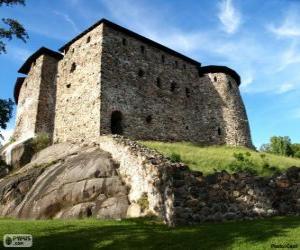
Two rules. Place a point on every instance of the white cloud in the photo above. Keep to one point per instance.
(288, 28)
(285, 87)
(229, 16)
(289, 56)
(68, 20)
(6, 134)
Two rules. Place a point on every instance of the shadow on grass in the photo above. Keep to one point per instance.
(150, 234)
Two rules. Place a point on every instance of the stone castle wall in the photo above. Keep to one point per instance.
(37, 99)
(78, 90)
(162, 97)
(158, 95)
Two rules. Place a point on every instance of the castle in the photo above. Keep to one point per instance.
(110, 80)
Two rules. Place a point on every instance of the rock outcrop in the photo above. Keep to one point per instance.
(65, 181)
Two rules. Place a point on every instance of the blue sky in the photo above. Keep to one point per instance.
(259, 39)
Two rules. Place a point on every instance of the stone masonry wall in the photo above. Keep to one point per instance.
(181, 196)
(162, 97)
(78, 90)
(47, 97)
(236, 128)
(28, 102)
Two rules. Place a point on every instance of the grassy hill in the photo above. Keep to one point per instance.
(153, 234)
(209, 159)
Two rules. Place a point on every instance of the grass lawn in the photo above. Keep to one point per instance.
(209, 159)
(152, 234)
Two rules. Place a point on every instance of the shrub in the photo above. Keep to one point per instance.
(175, 157)
(40, 142)
(242, 163)
(143, 202)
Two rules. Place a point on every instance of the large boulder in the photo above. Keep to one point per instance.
(65, 181)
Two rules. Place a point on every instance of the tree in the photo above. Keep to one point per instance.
(6, 108)
(279, 145)
(296, 149)
(12, 27)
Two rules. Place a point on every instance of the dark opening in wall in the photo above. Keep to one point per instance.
(158, 82)
(88, 39)
(73, 50)
(124, 41)
(173, 86)
(116, 123)
(187, 127)
(184, 66)
(149, 119)
(187, 92)
(68, 85)
(141, 73)
(142, 49)
(219, 131)
(163, 59)
(176, 64)
(73, 67)
(215, 79)
(229, 84)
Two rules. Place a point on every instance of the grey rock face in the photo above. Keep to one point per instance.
(79, 184)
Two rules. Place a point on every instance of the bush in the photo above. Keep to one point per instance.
(143, 202)
(175, 158)
(242, 163)
(40, 142)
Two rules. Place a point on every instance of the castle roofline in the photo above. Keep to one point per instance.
(17, 88)
(133, 34)
(42, 51)
(221, 69)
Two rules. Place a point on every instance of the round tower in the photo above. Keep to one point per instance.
(226, 82)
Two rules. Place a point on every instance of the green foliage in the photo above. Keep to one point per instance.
(12, 28)
(145, 233)
(143, 202)
(40, 142)
(212, 158)
(242, 163)
(6, 109)
(174, 157)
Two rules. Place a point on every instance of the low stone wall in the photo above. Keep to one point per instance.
(182, 196)
(224, 196)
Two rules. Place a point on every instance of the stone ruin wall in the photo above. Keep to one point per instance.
(181, 196)
(198, 109)
(78, 90)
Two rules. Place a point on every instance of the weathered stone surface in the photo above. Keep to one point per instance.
(157, 94)
(79, 182)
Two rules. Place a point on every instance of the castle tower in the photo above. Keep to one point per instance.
(35, 95)
(235, 130)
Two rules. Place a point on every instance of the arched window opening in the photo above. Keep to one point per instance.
(162, 58)
(142, 49)
(219, 131)
(116, 123)
(173, 86)
(176, 64)
(73, 67)
(149, 119)
(187, 92)
(215, 79)
(88, 39)
(158, 82)
(124, 41)
(141, 73)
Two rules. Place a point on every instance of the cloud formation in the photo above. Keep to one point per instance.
(229, 16)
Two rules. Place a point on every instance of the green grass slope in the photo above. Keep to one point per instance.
(209, 159)
(151, 234)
